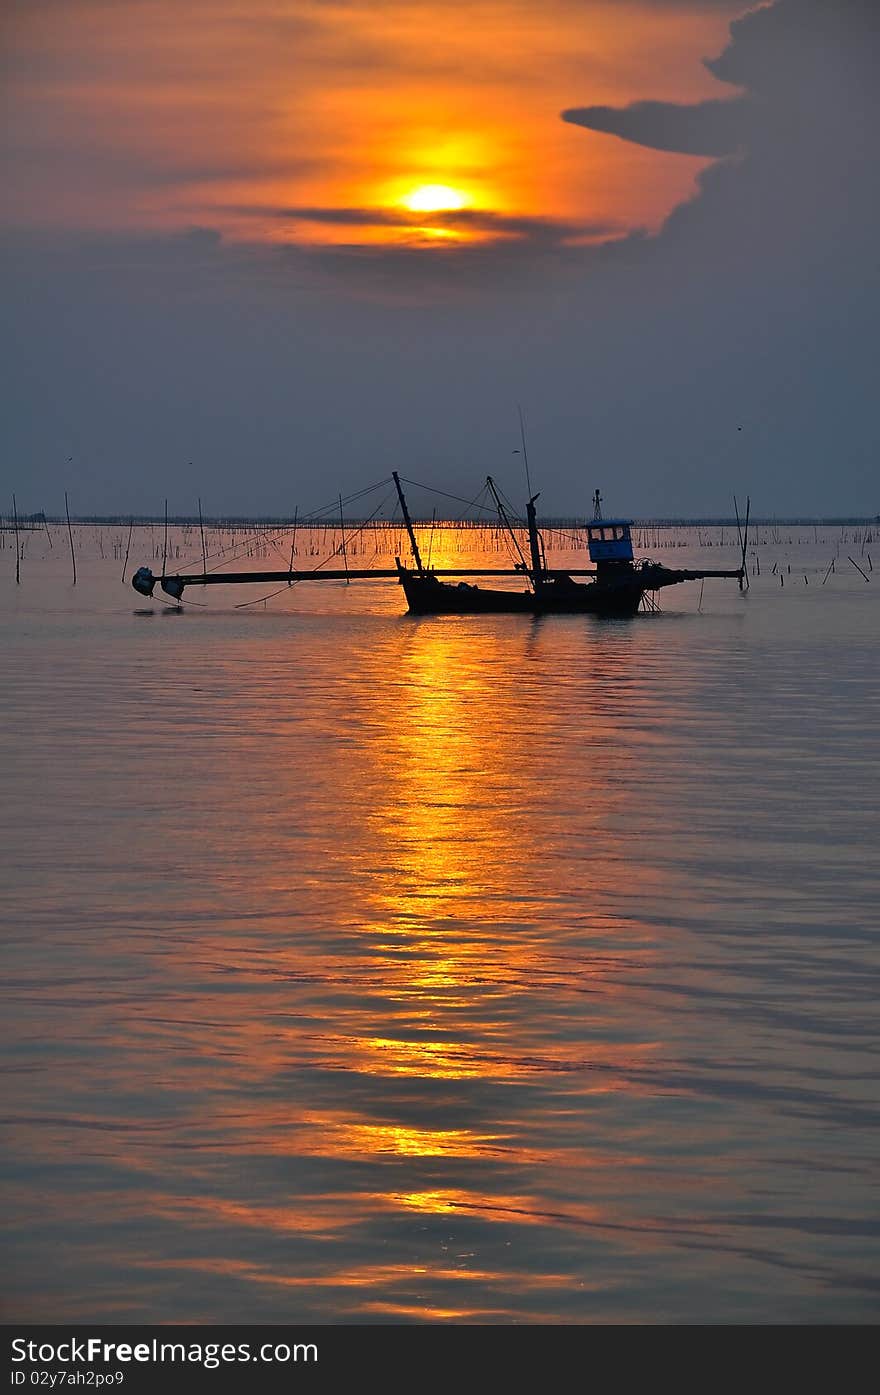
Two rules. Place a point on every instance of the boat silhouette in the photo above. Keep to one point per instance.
(616, 585)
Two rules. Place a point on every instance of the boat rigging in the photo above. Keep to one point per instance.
(618, 584)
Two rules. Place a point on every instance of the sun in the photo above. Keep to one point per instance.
(434, 198)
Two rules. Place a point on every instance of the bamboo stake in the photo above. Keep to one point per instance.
(857, 567)
(293, 541)
(17, 553)
(70, 536)
(342, 529)
(127, 546)
(202, 531)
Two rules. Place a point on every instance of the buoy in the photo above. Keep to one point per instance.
(143, 581)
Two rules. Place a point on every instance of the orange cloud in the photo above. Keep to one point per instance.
(219, 112)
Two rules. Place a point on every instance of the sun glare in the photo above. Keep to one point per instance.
(434, 198)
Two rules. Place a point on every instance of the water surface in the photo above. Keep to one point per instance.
(366, 968)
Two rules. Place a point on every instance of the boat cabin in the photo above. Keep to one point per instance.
(609, 541)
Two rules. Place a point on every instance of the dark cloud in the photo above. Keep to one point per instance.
(795, 200)
(709, 128)
(776, 48)
(805, 65)
(475, 220)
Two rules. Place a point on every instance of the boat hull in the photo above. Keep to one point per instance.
(616, 593)
(426, 595)
(594, 598)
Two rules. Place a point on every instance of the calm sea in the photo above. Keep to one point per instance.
(365, 968)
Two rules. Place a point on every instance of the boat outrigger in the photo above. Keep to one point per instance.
(618, 586)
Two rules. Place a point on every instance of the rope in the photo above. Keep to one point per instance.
(469, 503)
(221, 554)
(243, 605)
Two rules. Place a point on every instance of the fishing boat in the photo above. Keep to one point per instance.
(618, 584)
(618, 587)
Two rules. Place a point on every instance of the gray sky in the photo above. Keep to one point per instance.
(208, 297)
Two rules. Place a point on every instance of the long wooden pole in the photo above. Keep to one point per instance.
(857, 567)
(17, 552)
(70, 536)
(745, 573)
(293, 539)
(342, 531)
(431, 537)
(739, 531)
(202, 531)
(127, 546)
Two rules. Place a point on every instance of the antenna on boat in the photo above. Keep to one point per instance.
(525, 453)
(597, 506)
(408, 521)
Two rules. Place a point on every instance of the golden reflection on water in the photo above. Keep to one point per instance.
(452, 906)
(403, 969)
(451, 938)
(450, 768)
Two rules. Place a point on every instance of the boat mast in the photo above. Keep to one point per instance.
(534, 545)
(408, 521)
(502, 511)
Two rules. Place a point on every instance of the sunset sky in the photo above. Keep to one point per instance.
(253, 245)
(311, 121)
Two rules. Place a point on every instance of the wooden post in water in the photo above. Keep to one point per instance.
(342, 531)
(738, 524)
(127, 546)
(70, 536)
(743, 539)
(293, 542)
(17, 552)
(165, 540)
(202, 531)
(857, 567)
(745, 544)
